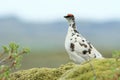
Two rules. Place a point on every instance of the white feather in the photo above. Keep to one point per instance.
(77, 55)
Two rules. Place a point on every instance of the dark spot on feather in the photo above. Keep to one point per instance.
(84, 52)
(83, 45)
(83, 40)
(76, 31)
(72, 46)
(73, 25)
(89, 45)
(80, 44)
(77, 35)
(89, 51)
(94, 56)
(75, 40)
(73, 19)
(73, 34)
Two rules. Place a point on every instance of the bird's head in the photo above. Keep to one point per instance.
(69, 17)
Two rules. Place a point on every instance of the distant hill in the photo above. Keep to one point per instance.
(104, 35)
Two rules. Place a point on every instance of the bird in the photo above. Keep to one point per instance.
(78, 48)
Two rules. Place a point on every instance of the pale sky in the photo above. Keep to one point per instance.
(42, 10)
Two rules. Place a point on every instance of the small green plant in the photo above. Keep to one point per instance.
(115, 68)
(116, 55)
(10, 59)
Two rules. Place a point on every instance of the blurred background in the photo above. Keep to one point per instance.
(39, 25)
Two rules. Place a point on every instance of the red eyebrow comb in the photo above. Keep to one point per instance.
(70, 15)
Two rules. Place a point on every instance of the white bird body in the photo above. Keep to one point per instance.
(78, 48)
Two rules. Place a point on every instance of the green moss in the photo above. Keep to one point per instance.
(104, 69)
(42, 73)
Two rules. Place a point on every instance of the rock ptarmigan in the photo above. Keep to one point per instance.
(77, 47)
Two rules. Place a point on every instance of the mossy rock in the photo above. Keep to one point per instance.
(102, 69)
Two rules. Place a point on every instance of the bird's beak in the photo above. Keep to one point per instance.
(65, 16)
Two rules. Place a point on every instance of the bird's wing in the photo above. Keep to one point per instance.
(83, 47)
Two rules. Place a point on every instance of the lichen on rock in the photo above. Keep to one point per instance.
(103, 69)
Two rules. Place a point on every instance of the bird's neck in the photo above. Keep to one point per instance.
(72, 28)
(72, 25)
